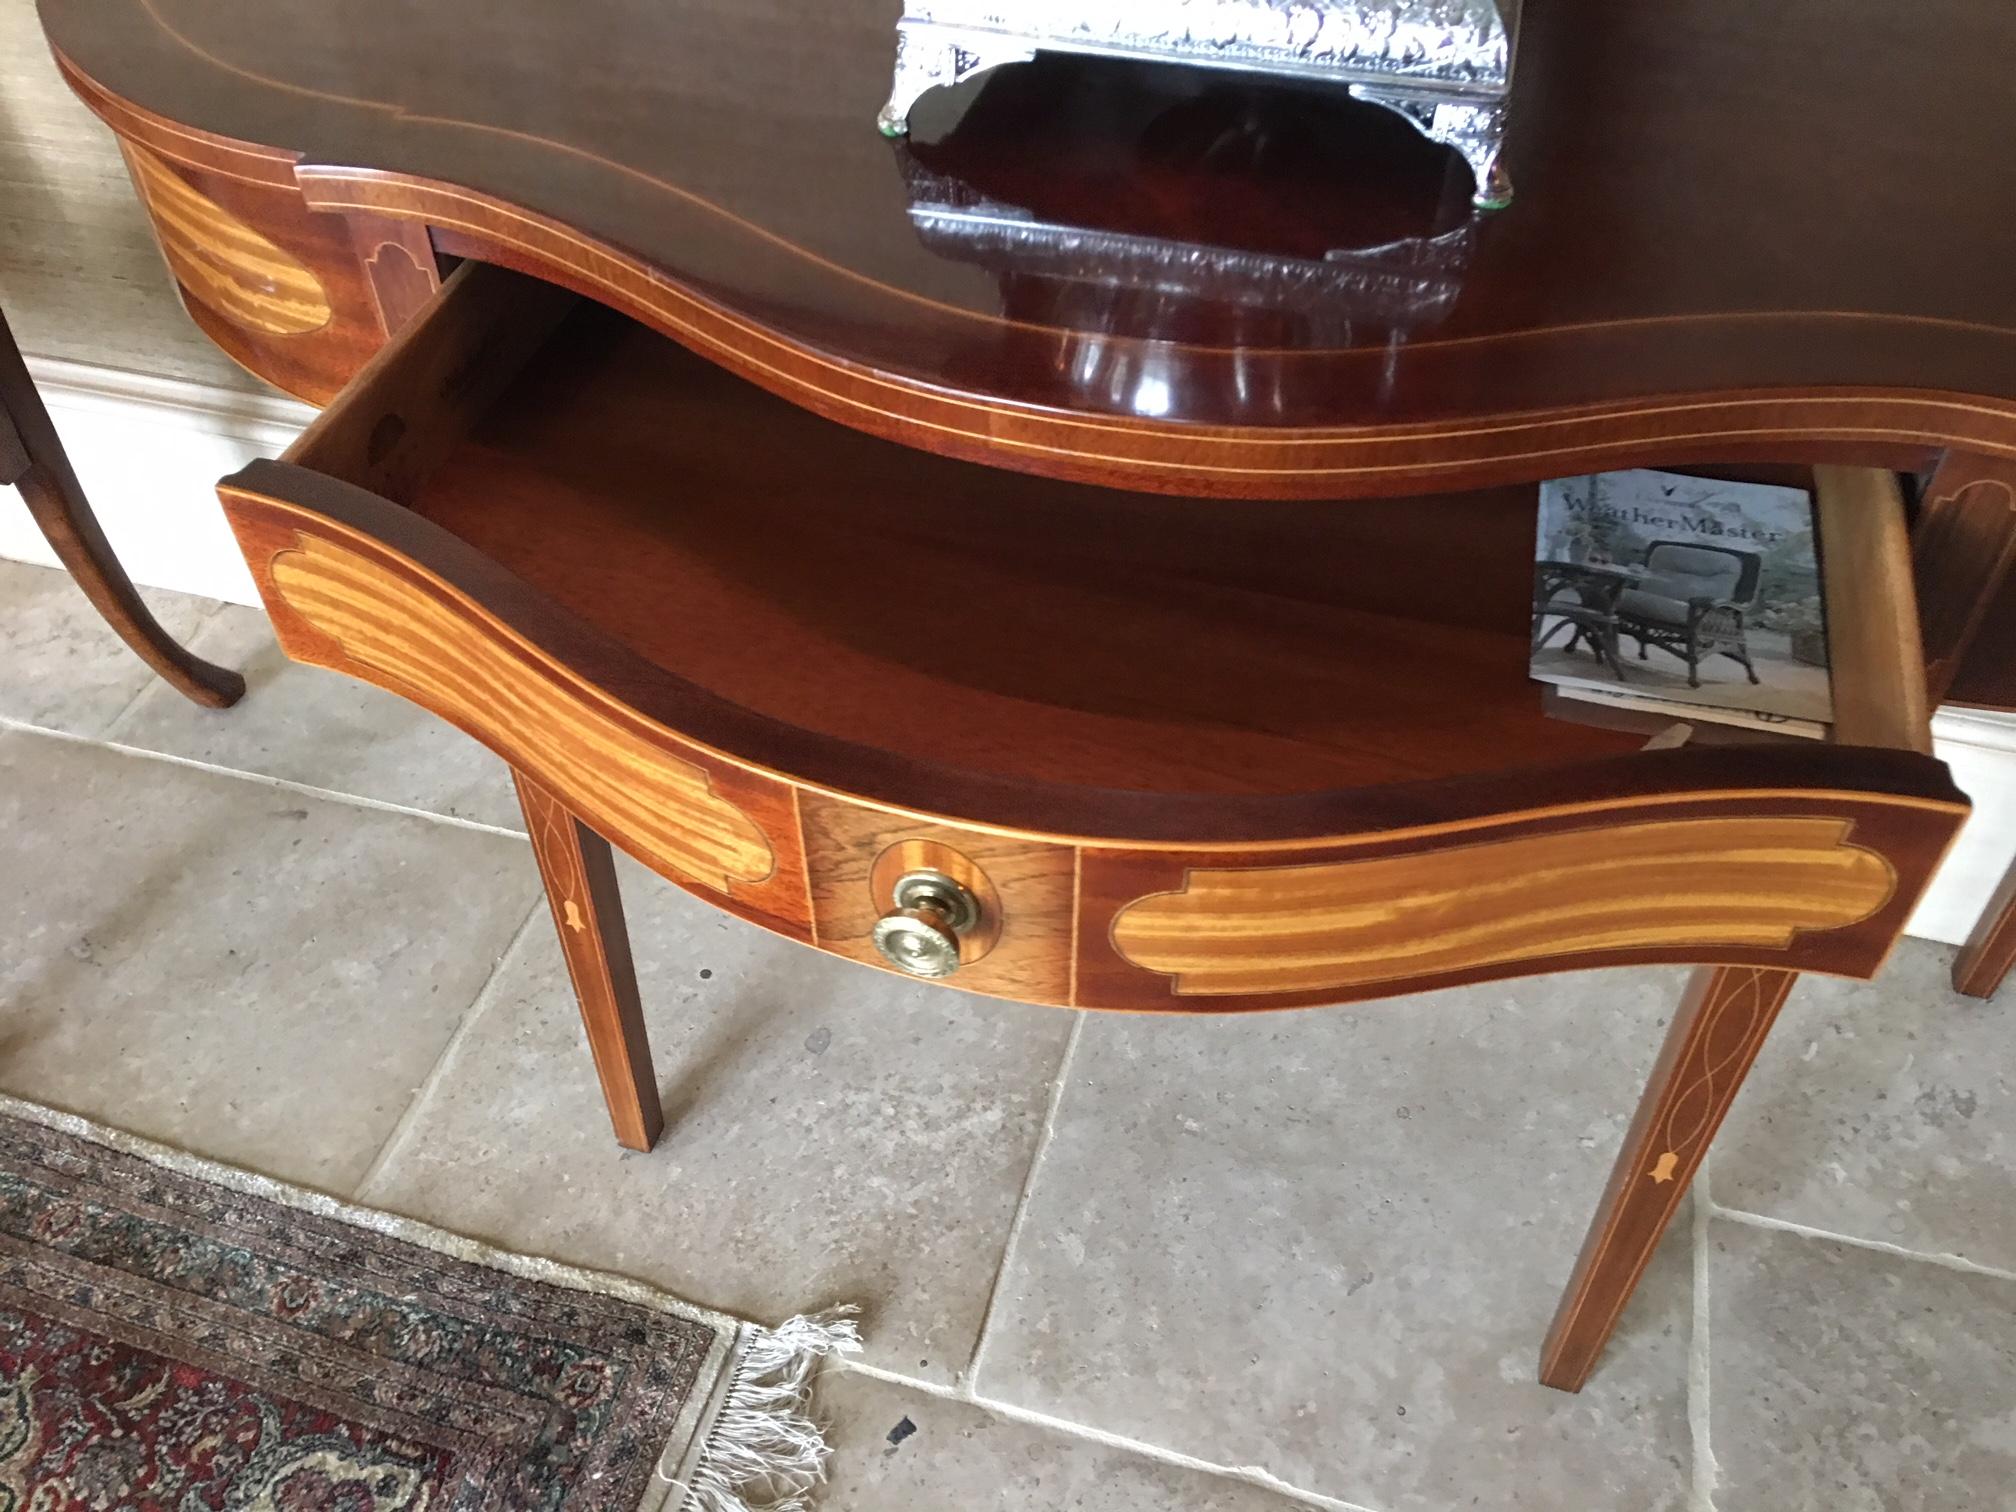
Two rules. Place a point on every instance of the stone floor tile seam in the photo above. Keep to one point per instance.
(1879, 1246)
(964, 1394)
(970, 1376)
(149, 684)
(409, 1118)
(1700, 1353)
(307, 790)
(104, 733)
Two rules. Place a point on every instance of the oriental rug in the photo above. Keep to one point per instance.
(177, 1336)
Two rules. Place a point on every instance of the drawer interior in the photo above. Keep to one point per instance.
(995, 622)
(874, 610)
(770, 655)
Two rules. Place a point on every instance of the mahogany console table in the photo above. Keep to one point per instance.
(1084, 551)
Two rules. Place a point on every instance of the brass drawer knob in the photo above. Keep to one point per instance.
(921, 934)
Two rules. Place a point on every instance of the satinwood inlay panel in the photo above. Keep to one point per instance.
(1733, 881)
(235, 270)
(661, 804)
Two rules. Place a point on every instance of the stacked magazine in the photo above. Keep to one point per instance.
(1683, 597)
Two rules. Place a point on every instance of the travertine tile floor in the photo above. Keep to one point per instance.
(1108, 1264)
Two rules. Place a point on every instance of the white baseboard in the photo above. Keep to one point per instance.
(1981, 750)
(150, 450)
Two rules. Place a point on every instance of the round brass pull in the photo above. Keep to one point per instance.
(921, 934)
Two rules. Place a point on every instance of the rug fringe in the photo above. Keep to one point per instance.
(765, 1453)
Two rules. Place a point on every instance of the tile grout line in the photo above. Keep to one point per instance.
(307, 790)
(970, 1376)
(409, 1117)
(1880, 1246)
(124, 709)
(1700, 1358)
(1246, 1475)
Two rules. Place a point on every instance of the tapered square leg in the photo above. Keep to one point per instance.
(1965, 557)
(1709, 1049)
(1985, 963)
(1963, 552)
(580, 878)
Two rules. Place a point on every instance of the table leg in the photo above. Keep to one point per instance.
(1714, 1038)
(1989, 955)
(1964, 554)
(33, 459)
(580, 878)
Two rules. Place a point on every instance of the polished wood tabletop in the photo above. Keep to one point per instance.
(1738, 226)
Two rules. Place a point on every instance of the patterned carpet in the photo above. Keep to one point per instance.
(178, 1336)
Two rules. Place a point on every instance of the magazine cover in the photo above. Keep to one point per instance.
(1685, 593)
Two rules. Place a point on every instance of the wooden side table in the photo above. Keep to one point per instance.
(1107, 582)
(32, 459)
(694, 641)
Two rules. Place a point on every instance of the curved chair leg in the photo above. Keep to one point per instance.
(40, 468)
(1714, 1038)
(1607, 648)
(67, 521)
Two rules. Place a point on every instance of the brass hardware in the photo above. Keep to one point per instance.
(921, 934)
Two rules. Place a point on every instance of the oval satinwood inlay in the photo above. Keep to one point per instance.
(604, 769)
(223, 262)
(1735, 881)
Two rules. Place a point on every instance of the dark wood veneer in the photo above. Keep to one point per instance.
(1720, 250)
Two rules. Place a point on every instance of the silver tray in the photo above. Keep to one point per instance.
(1445, 65)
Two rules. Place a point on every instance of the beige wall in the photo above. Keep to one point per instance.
(80, 277)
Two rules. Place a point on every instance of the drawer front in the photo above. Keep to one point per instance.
(350, 603)
(1804, 882)
(1805, 878)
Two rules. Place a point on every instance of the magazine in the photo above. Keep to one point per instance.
(1685, 597)
(1667, 708)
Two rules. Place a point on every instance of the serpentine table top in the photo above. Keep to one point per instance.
(1759, 231)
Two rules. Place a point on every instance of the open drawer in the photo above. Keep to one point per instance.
(1179, 753)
